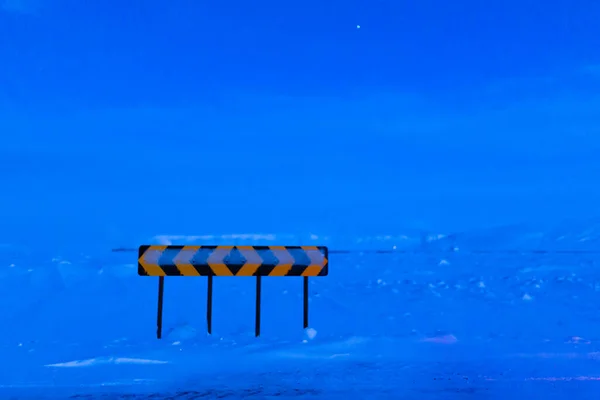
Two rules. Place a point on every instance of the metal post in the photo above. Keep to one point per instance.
(305, 302)
(161, 288)
(257, 321)
(209, 305)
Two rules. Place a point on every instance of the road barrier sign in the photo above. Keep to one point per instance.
(211, 261)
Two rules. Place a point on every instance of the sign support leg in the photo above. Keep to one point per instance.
(257, 320)
(305, 302)
(209, 305)
(161, 288)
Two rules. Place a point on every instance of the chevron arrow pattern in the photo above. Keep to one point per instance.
(154, 260)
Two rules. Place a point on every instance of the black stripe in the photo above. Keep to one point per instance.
(165, 261)
(322, 249)
(171, 270)
(141, 271)
(204, 270)
(141, 250)
(325, 270)
(264, 270)
(234, 268)
(296, 271)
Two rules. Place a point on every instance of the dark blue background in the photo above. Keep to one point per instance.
(267, 116)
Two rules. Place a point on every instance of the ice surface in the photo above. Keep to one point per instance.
(428, 322)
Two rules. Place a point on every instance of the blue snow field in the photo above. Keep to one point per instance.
(459, 137)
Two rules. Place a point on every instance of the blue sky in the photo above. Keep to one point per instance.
(283, 116)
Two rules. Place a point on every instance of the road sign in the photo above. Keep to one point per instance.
(210, 261)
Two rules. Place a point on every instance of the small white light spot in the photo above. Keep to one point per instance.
(357, 26)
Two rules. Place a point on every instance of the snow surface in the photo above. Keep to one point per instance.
(448, 316)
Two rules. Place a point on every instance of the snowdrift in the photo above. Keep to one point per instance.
(87, 318)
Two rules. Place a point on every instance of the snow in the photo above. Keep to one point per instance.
(97, 361)
(411, 323)
(311, 333)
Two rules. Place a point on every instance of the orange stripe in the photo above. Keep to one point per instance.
(313, 270)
